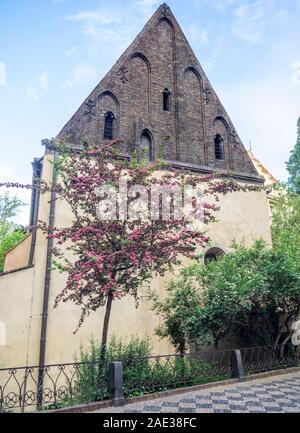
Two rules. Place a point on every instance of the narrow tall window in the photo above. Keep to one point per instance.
(146, 147)
(109, 126)
(166, 100)
(218, 147)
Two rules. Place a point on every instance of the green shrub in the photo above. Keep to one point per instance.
(133, 355)
(142, 373)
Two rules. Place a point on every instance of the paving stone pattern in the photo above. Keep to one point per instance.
(279, 394)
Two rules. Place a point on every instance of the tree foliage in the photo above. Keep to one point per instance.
(8, 207)
(110, 258)
(10, 233)
(286, 226)
(293, 165)
(253, 293)
(182, 297)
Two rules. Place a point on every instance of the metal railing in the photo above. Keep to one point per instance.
(267, 358)
(61, 385)
(52, 385)
(160, 373)
(76, 383)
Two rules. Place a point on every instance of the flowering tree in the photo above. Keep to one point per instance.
(116, 248)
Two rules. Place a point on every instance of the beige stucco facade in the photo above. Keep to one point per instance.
(242, 217)
(17, 257)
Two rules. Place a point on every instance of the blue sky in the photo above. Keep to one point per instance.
(53, 53)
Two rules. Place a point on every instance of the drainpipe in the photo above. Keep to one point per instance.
(35, 199)
(46, 294)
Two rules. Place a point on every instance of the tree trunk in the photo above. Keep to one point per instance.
(103, 346)
(106, 323)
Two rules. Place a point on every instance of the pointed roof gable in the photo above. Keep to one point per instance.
(161, 58)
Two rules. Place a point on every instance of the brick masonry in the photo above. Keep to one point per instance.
(161, 58)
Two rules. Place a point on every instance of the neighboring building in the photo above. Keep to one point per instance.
(270, 180)
(156, 97)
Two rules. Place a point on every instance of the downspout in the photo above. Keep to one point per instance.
(35, 199)
(46, 292)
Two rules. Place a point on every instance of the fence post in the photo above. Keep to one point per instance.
(237, 365)
(115, 383)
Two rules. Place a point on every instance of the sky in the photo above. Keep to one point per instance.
(54, 52)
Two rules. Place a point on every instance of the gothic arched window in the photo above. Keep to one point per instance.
(213, 254)
(146, 146)
(218, 147)
(166, 100)
(109, 126)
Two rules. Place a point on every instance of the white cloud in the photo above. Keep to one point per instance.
(32, 93)
(220, 6)
(44, 81)
(72, 51)
(197, 35)
(95, 27)
(81, 74)
(251, 20)
(215, 53)
(2, 74)
(107, 35)
(148, 6)
(104, 16)
(266, 117)
(35, 92)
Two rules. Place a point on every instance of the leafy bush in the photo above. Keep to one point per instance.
(142, 373)
(134, 356)
(253, 293)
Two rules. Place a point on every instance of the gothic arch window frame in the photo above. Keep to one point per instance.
(167, 20)
(221, 119)
(198, 75)
(108, 93)
(146, 132)
(143, 57)
(109, 129)
(166, 100)
(213, 253)
(199, 98)
(139, 55)
(116, 114)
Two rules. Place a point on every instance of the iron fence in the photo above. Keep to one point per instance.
(52, 386)
(58, 385)
(267, 358)
(160, 373)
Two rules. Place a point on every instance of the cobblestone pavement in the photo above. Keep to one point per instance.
(274, 394)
